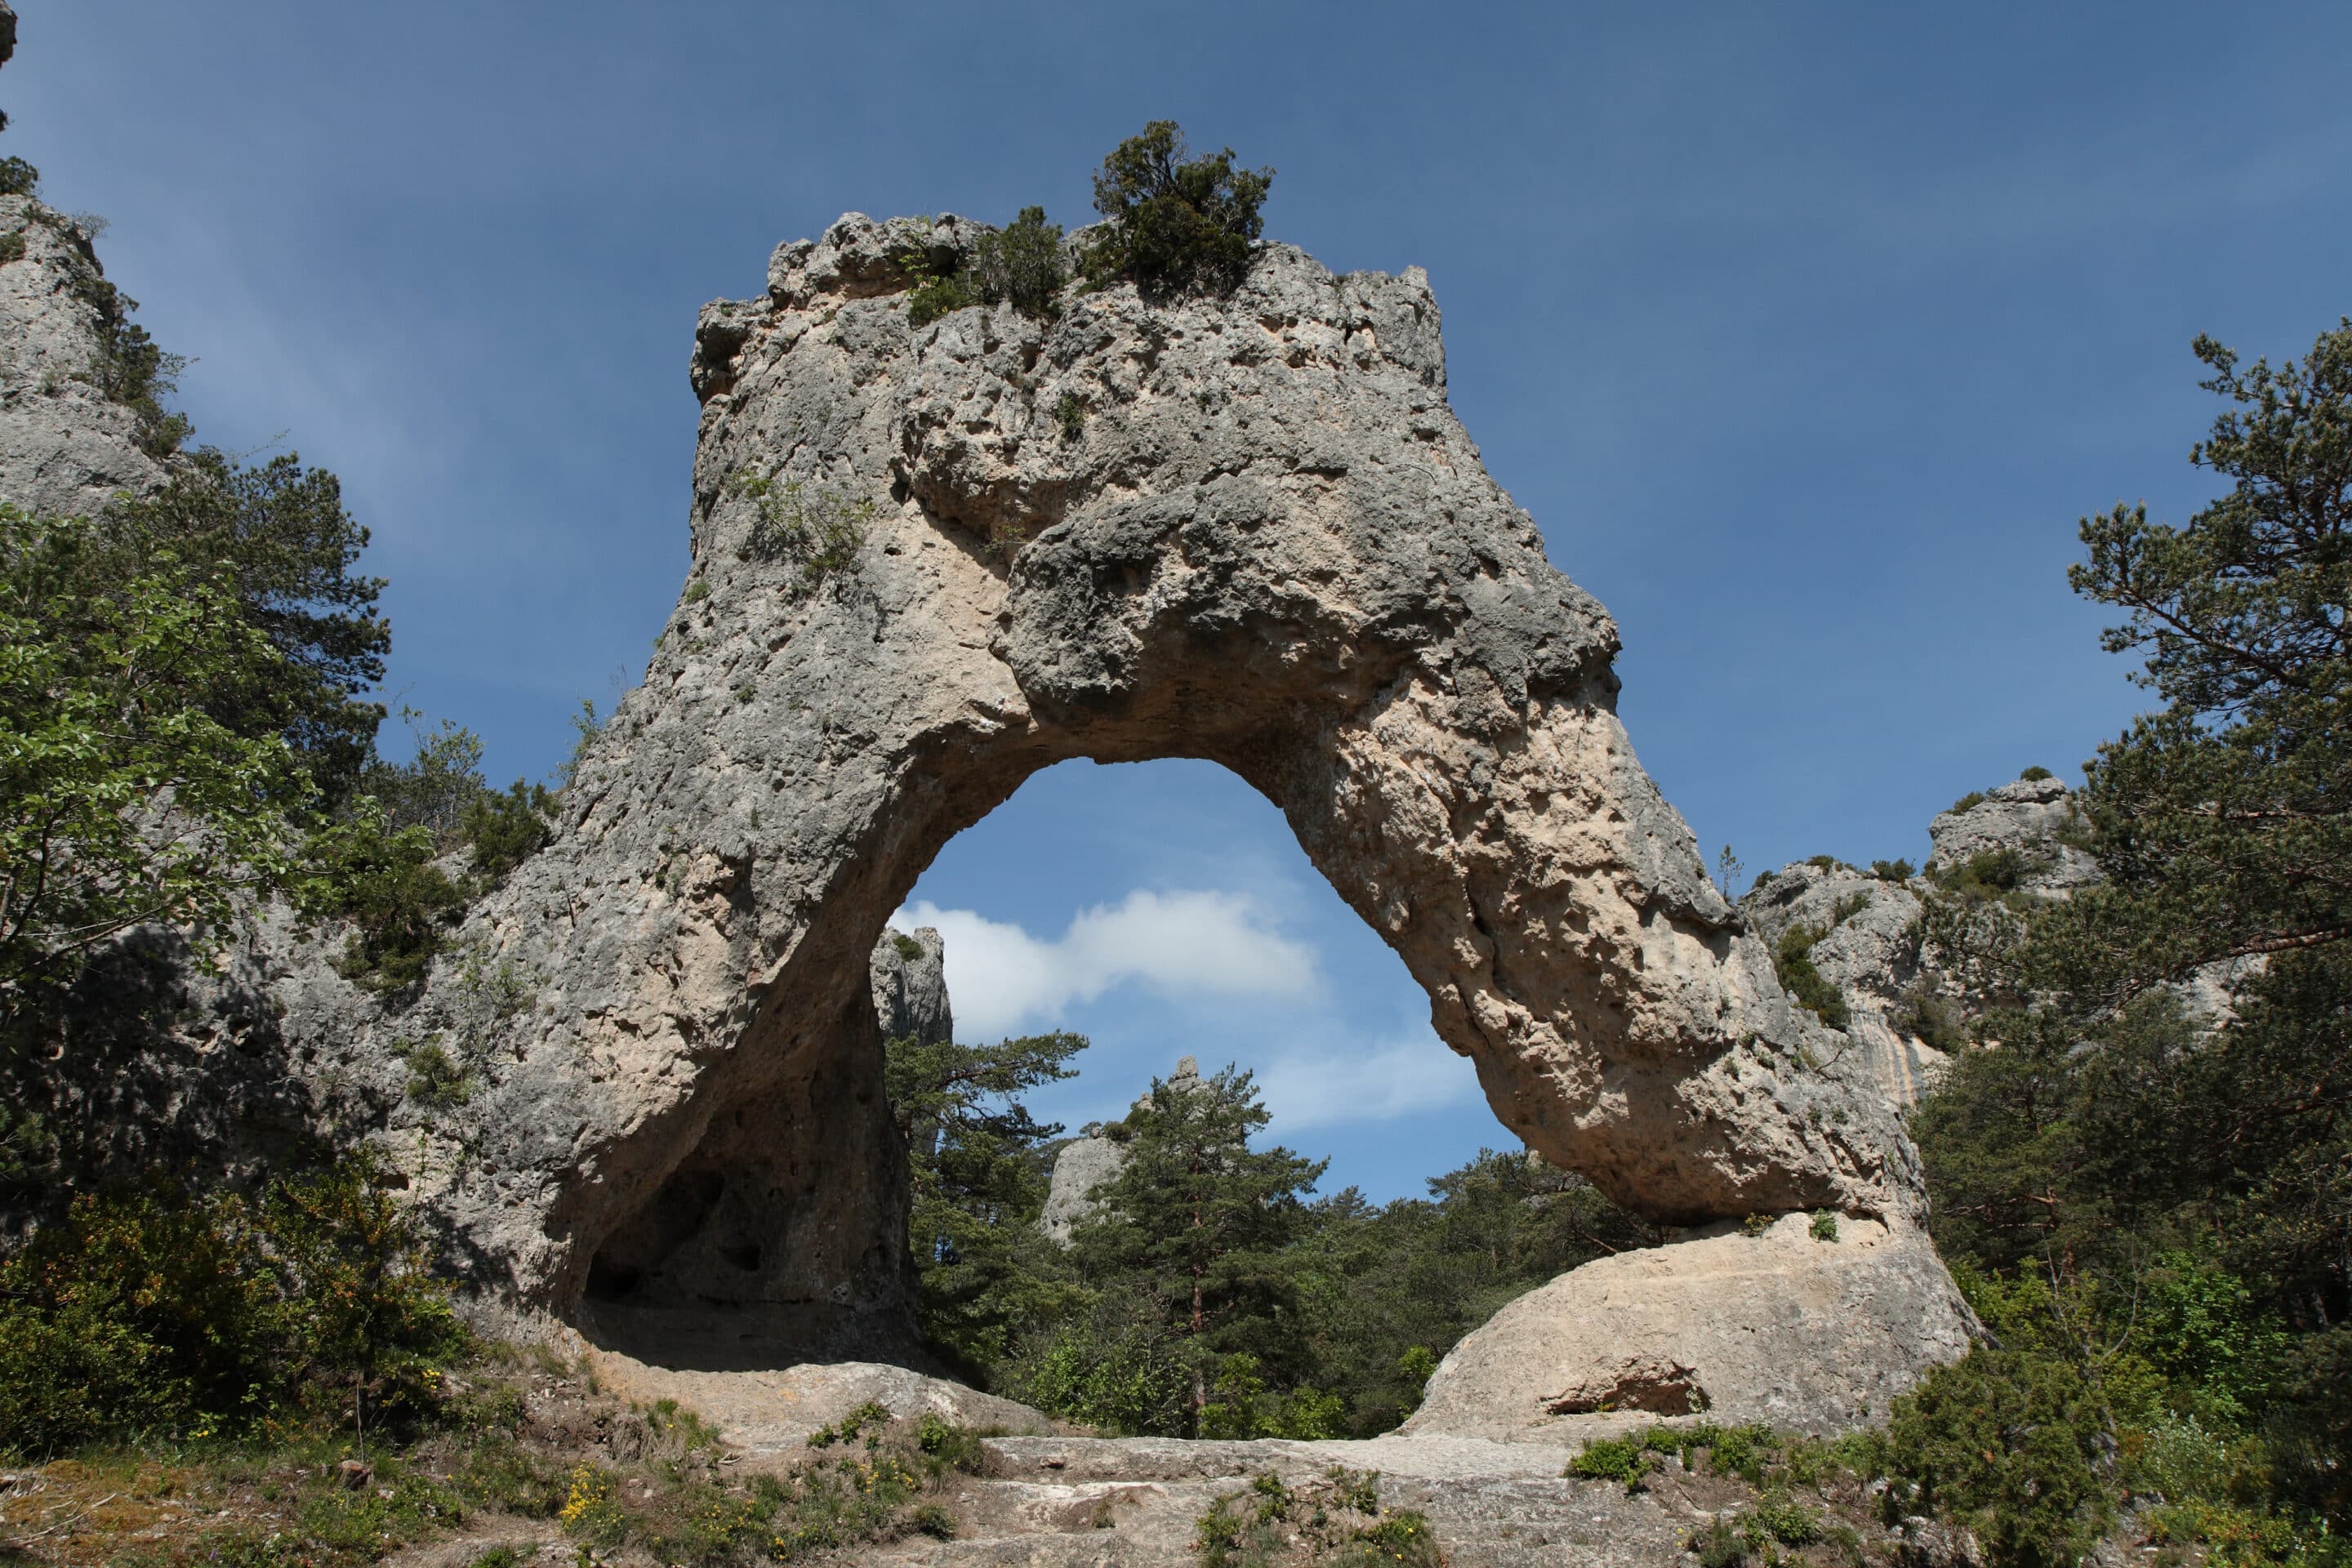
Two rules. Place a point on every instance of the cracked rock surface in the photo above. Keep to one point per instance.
(1246, 528)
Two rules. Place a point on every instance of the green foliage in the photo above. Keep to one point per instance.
(2224, 821)
(12, 246)
(374, 864)
(1176, 224)
(276, 539)
(1338, 1522)
(1624, 1460)
(1020, 265)
(2035, 775)
(156, 1312)
(436, 1077)
(126, 799)
(1417, 1366)
(1892, 870)
(906, 946)
(382, 881)
(821, 530)
(1792, 961)
(2010, 1442)
(1070, 414)
(1199, 1221)
(18, 178)
(1969, 801)
(504, 830)
(1728, 872)
(978, 1185)
(1824, 1227)
(585, 728)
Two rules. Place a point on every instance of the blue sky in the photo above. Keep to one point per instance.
(1805, 332)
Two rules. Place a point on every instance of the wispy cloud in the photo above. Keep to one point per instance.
(1000, 978)
(1379, 1082)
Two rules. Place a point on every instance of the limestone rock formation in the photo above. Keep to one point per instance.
(1807, 1334)
(66, 449)
(907, 972)
(1086, 1162)
(1869, 948)
(2033, 817)
(929, 562)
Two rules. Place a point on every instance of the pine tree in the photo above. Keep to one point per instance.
(978, 1181)
(1202, 1221)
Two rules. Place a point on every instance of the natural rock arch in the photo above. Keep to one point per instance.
(1247, 530)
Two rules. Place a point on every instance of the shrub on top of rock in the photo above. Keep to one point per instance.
(1019, 265)
(1176, 224)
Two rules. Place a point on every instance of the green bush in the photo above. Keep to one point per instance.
(384, 883)
(1176, 224)
(1622, 1459)
(155, 1313)
(1020, 265)
(506, 830)
(820, 531)
(18, 178)
(1892, 870)
(2034, 774)
(1792, 961)
(2009, 1442)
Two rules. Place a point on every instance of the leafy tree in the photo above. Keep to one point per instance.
(1176, 224)
(978, 1185)
(126, 799)
(1199, 1221)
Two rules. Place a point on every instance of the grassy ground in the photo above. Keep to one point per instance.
(527, 1447)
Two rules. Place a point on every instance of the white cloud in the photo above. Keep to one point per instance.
(1383, 1080)
(1000, 978)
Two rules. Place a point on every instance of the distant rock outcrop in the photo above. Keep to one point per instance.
(1086, 1162)
(2033, 818)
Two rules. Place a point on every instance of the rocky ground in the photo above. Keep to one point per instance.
(545, 1461)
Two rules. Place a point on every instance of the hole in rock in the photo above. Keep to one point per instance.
(1162, 909)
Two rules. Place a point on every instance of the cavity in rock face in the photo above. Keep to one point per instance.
(928, 561)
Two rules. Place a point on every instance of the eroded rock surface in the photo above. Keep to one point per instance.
(2034, 817)
(1801, 1333)
(66, 449)
(927, 562)
(1248, 530)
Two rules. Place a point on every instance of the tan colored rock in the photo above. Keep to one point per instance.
(1804, 1335)
(777, 1407)
(1269, 543)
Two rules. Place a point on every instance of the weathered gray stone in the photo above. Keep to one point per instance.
(908, 975)
(1086, 1162)
(2031, 816)
(64, 449)
(1869, 948)
(1269, 543)
(1804, 1335)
